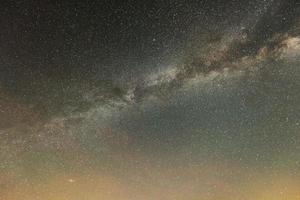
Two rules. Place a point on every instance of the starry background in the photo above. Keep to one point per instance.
(149, 100)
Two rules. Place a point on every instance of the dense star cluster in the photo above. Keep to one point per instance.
(143, 100)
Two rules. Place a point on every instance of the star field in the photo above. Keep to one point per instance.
(139, 100)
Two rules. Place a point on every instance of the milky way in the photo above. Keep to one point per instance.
(139, 100)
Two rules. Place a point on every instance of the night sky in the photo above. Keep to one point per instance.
(150, 100)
